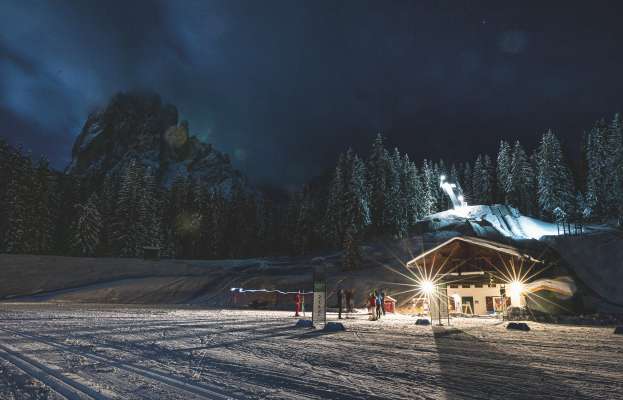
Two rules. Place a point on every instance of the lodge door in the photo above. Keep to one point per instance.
(468, 305)
(489, 302)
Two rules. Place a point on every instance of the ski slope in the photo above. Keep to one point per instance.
(504, 219)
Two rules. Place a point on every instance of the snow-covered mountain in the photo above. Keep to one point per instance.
(139, 126)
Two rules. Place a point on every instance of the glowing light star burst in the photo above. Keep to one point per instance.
(515, 290)
(427, 287)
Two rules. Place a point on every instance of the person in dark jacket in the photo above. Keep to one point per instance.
(383, 302)
(348, 294)
(377, 296)
(297, 304)
(340, 295)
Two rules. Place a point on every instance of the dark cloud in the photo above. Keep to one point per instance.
(285, 85)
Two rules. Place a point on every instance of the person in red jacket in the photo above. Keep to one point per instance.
(297, 303)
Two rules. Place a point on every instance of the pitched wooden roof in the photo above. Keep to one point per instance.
(450, 246)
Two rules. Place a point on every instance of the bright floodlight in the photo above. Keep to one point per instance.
(442, 178)
(427, 287)
(515, 290)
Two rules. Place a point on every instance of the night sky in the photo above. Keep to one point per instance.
(285, 86)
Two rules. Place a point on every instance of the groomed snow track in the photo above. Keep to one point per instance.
(64, 386)
(71, 389)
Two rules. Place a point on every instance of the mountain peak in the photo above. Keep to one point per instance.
(139, 126)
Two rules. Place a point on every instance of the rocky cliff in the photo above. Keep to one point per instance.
(139, 126)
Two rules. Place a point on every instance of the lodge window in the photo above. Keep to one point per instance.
(465, 286)
(491, 285)
(454, 286)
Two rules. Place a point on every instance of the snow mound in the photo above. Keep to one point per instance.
(304, 323)
(334, 327)
(518, 326)
(506, 220)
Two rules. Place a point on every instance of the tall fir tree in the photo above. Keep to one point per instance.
(378, 165)
(395, 221)
(150, 211)
(466, 182)
(554, 182)
(430, 183)
(128, 233)
(597, 175)
(88, 227)
(614, 181)
(503, 169)
(522, 191)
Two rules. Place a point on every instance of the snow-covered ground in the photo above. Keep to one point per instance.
(102, 352)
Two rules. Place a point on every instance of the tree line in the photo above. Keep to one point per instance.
(383, 195)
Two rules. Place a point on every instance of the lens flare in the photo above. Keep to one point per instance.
(427, 287)
(515, 290)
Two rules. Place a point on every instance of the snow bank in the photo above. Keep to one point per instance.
(506, 220)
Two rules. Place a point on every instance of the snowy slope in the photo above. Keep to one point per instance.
(506, 220)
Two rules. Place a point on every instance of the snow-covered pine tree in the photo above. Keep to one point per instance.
(488, 181)
(503, 169)
(333, 216)
(88, 227)
(359, 208)
(107, 206)
(477, 179)
(430, 183)
(597, 175)
(395, 223)
(70, 188)
(304, 232)
(377, 169)
(175, 209)
(351, 255)
(5, 169)
(348, 206)
(521, 179)
(466, 182)
(127, 232)
(150, 211)
(614, 181)
(454, 175)
(16, 207)
(44, 207)
(555, 187)
(405, 198)
(413, 193)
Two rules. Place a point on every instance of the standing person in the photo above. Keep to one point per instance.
(297, 303)
(340, 295)
(383, 302)
(377, 296)
(372, 306)
(348, 294)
